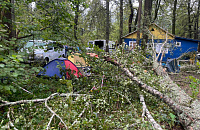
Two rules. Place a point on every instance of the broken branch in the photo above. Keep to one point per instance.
(51, 96)
(150, 118)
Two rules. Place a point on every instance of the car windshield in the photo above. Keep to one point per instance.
(30, 44)
(55, 45)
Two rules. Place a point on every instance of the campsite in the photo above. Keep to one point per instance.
(100, 65)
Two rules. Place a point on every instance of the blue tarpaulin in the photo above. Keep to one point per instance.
(172, 66)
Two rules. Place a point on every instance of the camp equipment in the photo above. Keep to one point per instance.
(172, 66)
(77, 60)
(80, 63)
(60, 67)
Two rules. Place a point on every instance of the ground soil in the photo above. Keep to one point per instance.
(184, 82)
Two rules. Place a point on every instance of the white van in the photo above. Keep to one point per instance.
(102, 44)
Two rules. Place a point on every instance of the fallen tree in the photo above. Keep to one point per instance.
(187, 109)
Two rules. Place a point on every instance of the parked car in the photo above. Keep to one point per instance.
(44, 52)
(54, 50)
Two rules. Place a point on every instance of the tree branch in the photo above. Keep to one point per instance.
(40, 100)
(10, 122)
(50, 97)
(50, 121)
(87, 104)
(150, 118)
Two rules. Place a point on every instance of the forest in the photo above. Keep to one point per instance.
(127, 89)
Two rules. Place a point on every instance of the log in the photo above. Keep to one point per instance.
(187, 109)
(188, 105)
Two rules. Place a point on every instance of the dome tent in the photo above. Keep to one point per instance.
(58, 67)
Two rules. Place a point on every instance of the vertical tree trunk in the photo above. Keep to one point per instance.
(9, 19)
(121, 22)
(136, 20)
(147, 22)
(76, 20)
(196, 27)
(174, 18)
(107, 25)
(130, 17)
(139, 21)
(156, 10)
(189, 20)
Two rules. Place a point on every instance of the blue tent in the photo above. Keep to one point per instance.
(58, 67)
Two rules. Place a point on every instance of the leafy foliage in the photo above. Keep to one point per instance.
(110, 100)
(108, 103)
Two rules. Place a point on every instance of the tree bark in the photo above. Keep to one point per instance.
(148, 114)
(76, 20)
(146, 22)
(189, 20)
(174, 18)
(139, 22)
(190, 107)
(121, 22)
(197, 22)
(9, 19)
(136, 20)
(107, 25)
(156, 10)
(130, 17)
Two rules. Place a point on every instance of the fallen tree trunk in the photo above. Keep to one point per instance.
(186, 109)
(189, 105)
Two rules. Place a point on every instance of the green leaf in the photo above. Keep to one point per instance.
(14, 56)
(2, 65)
(7, 88)
(172, 116)
(15, 74)
(1, 59)
(16, 120)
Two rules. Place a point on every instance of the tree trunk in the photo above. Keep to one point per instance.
(189, 117)
(76, 20)
(136, 20)
(146, 22)
(130, 17)
(174, 18)
(121, 22)
(107, 25)
(9, 19)
(197, 22)
(156, 10)
(139, 22)
(189, 20)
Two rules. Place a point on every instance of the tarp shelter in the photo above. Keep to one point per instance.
(57, 68)
(172, 66)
